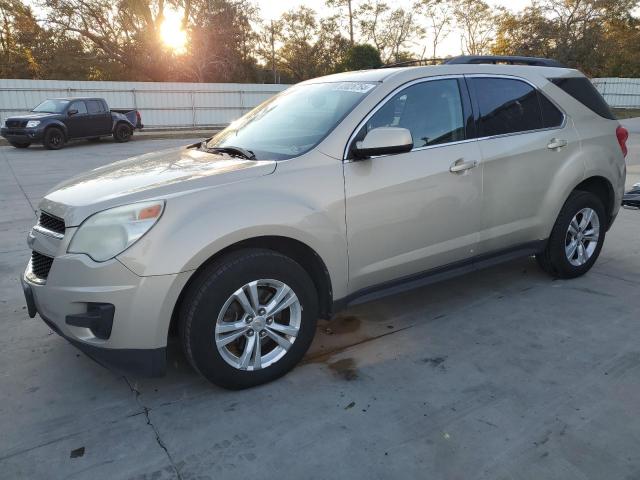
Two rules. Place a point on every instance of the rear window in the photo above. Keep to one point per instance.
(95, 106)
(507, 106)
(583, 90)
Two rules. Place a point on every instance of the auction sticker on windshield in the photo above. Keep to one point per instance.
(356, 87)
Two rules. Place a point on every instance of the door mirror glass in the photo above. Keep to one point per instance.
(384, 141)
(72, 112)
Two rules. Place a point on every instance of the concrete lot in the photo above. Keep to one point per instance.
(502, 374)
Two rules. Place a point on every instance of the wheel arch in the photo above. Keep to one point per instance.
(603, 189)
(59, 126)
(308, 258)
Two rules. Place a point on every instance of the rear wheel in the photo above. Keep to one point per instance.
(248, 318)
(122, 133)
(20, 144)
(53, 139)
(576, 238)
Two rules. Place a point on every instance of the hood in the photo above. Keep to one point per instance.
(34, 116)
(151, 176)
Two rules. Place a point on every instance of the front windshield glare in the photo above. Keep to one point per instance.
(52, 106)
(294, 121)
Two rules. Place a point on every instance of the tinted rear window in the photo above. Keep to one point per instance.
(507, 106)
(95, 106)
(583, 90)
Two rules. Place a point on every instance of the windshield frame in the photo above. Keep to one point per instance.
(210, 143)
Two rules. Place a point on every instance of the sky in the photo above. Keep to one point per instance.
(271, 9)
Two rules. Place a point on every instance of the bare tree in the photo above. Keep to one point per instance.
(389, 30)
(476, 20)
(350, 14)
(438, 15)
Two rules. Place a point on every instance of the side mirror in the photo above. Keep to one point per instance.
(384, 141)
(72, 112)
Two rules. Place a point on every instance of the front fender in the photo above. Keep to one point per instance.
(304, 202)
(59, 124)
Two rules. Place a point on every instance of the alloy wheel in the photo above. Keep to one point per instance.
(582, 237)
(258, 324)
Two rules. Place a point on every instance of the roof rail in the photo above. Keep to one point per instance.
(415, 63)
(510, 60)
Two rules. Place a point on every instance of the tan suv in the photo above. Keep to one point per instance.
(336, 191)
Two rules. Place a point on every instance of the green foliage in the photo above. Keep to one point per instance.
(361, 57)
(228, 41)
(600, 37)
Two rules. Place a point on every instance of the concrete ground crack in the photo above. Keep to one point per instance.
(146, 411)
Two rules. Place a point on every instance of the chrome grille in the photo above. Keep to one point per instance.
(40, 265)
(49, 222)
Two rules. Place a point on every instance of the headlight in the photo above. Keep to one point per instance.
(106, 234)
(33, 123)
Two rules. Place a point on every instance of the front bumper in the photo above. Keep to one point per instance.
(129, 335)
(22, 135)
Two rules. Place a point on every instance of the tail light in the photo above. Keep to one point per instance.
(622, 134)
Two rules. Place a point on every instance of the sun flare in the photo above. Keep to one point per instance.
(172, 33)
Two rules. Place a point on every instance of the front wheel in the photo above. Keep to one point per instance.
(576, 238)
(122, 133)
(53, 139)
(248, 318)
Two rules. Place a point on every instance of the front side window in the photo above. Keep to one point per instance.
(79, 106)
(506, 106)
(431, 111)
(294, 121)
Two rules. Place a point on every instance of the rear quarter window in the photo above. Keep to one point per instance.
(583, 91)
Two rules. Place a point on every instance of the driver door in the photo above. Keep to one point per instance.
(77, 123)
(408, 213)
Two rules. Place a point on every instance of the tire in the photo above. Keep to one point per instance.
(20, 145)
(209, 303)
(122, 133)
(554, 259)
(53, 139)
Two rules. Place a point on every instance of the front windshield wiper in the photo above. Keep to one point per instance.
(231, 150)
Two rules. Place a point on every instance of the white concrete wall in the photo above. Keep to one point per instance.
(176, 105)
(619, 92)
(162, 105)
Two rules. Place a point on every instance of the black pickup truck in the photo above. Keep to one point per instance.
(58, 120)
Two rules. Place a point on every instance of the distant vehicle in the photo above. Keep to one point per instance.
(631, 199)
(56, 121)
(334, 192)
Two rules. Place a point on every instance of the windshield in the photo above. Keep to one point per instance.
(52, 106)
(294, 121)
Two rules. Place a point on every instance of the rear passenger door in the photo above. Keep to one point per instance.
(99, 118)
(525, 141)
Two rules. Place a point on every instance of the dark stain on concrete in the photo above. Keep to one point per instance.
(340, 325)
(344, 369)
(435, 361)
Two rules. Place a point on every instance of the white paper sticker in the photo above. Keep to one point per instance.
(356, 87)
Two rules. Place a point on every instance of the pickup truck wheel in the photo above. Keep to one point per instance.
(53, 139)
(576, 238)
(248, 318)
(20, 145)
(122, 133)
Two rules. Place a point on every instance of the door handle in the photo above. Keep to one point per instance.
(459, 166)
(556, 143)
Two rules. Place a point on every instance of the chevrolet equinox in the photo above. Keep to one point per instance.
(335, 191)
